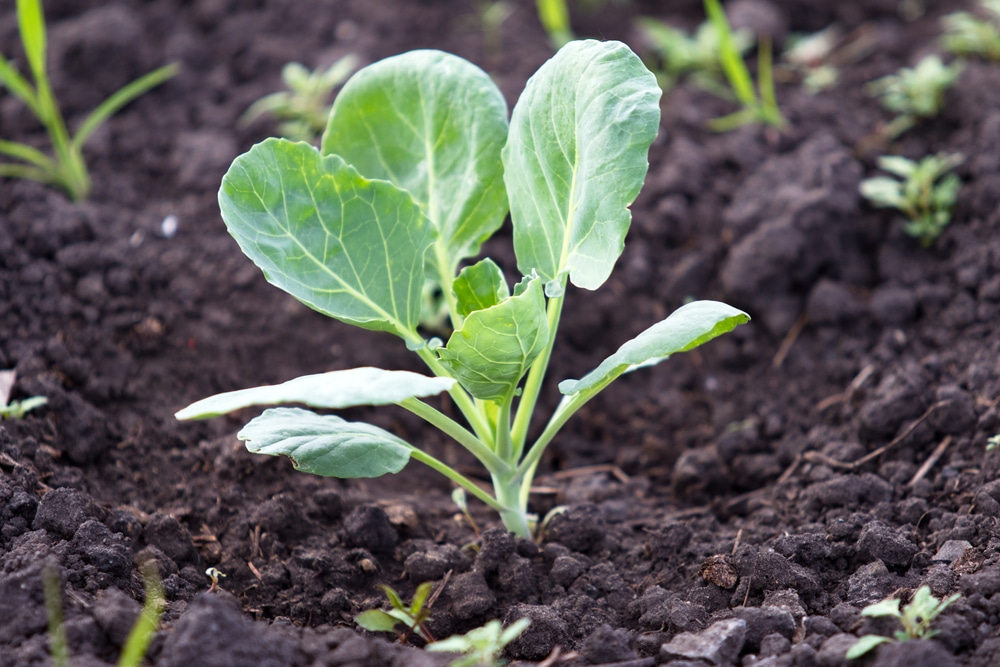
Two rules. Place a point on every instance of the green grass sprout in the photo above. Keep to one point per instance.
(915, 93)
(554, 16)
(967, 35)
(759, 104)
(66, 169)
(916, 618)
(696, 56)
(418, 166)
(922, 191)
(16, 409)
(302, 110)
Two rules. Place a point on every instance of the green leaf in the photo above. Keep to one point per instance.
(494, 348)
(420, 598)
(433, 124)
(393, 597)
(376, 620)
(686, 328)
(31, 24)
(336, 389)
(865, 644)
(479, 286)
(888, 607)
(576, 159)
(349, 247)
(326, 444)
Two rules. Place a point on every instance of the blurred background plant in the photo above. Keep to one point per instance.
(968, 34)
(694, 56)
(303, 109)
(915, 93)
(917, 192)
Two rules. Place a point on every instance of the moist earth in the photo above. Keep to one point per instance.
(737, 505)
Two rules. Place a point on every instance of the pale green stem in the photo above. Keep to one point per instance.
(458, 478)
(460, 434)
(536, 376)
(446, 280)
(504, 447)
(513, 511)
(462, 399)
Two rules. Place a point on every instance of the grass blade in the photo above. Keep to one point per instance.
(119, 99)
(729, 58)
(18, 85)
(33, 156)
(145, 627)
(31, 23)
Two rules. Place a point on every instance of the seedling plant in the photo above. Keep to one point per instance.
(16, 409)
(66, 170)
(418, 166)
(302, 109)
(759, 104)
(915, 93)
(554, 16)
(412, 617)
(916, 618)
(697, 56)
(923, 191)
(481, 646)
(966, 34)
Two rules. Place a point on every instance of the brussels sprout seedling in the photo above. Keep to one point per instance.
(916, 618)
(915, 93)
(66, 170)
(481, 646)
(916, 192)
(304, 107)
(966, 34)
(417, 168)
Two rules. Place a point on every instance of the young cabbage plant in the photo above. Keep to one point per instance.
(481, 647)
(417, 168)
(966, 34)
(915, 93)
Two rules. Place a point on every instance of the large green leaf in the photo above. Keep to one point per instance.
(575, 159)
(495, 346)
(326, 444)
(433, 124)
(350, 247)
(686, 328)
(335, 390)
(479, 286)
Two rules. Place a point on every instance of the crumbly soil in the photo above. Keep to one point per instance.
(736, 505)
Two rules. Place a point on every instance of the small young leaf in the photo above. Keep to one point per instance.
(575, 159)
(420, 597)
(865, 644)
(349, 247)
(888, 607)
(686, 328)
(433, 124)
(394, 600)
(376, 620)
(494, 348)
(479, 286)
(336, 389)
(326, 445)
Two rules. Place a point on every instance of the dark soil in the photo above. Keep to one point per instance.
(736, 505)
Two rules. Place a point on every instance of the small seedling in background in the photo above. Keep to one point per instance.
(492, 15)
(481, 646)
(16, 409)
(915, 93)
(916, 618)
(67, 170)
(695, 56)
(759, 103)
(412, 617)
(136, 645)
(923, 191)
(993, 442)
(809, 57)
(554, 15)
(966, 34)
(302, 109)
(214, 575)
